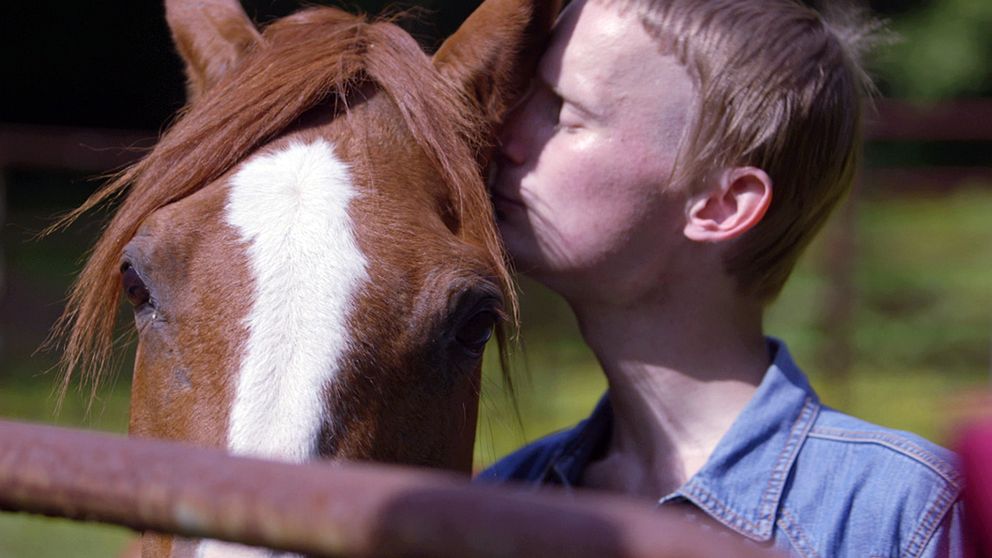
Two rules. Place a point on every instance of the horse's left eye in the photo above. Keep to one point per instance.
(475, 332)
(134, 287)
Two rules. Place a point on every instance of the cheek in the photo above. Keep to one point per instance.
(570, 159)
(156, 401)
(176, 394)
(591, 199)
(597, 162)
(600, 184)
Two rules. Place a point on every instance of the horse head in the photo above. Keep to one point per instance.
(309, 251)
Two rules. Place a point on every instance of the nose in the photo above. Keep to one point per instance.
(513, 136)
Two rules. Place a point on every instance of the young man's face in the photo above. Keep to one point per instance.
(587, 155)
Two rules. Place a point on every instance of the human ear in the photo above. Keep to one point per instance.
(211, 37)
(734, 205)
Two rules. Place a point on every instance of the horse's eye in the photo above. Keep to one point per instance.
(134, 288)
(476, 331)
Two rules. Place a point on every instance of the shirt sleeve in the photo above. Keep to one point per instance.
(528, 464)
(948, 541)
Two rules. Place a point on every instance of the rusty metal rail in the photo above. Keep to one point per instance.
(324, 509)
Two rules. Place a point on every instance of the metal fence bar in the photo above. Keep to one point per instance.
(332, 509)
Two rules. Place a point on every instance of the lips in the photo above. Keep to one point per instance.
(503, 205)
(500, 198)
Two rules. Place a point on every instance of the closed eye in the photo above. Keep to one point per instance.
(549, 103)
(560, 102)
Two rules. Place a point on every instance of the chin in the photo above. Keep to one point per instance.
(511, 241)
(520, 247)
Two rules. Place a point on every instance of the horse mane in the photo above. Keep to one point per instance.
(314, 56)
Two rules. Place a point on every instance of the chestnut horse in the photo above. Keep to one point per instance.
(309, 251)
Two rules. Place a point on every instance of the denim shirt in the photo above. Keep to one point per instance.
(791, 473)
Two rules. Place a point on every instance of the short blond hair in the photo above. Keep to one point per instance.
(780, 87)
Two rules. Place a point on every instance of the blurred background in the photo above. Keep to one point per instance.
(890, 312)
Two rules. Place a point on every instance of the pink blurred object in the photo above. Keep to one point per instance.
(975, 449)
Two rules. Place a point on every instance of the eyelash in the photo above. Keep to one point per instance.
(556, 105)
(559, 126)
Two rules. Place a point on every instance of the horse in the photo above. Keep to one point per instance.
(309, 251)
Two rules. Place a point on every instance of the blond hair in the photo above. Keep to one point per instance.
(780, 87)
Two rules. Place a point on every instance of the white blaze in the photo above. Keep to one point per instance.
(291, 209)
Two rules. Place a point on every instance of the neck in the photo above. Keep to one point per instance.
(679, 373)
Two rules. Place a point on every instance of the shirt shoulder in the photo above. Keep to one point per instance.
(859, 489)
(916, 452)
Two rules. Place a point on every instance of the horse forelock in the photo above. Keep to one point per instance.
(316, 56)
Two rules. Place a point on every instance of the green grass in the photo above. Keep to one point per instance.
(37, 401)
(27, 536)
(24, 536)
(921, 332)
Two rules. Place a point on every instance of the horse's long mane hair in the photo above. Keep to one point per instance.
(314, 56)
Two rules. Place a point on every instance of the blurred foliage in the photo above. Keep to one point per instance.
(942, 49)
(23, 536)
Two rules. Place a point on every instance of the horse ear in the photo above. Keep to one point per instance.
(211, 36)
(494, 54)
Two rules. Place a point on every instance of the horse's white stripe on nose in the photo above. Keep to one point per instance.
(217, 549)
(291, 208)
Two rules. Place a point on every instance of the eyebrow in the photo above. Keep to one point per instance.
(582, 108)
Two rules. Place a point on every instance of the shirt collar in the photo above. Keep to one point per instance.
(742, 482)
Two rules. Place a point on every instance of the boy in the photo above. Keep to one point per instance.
(663, 175)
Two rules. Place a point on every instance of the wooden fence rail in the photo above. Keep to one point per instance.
(333, 509)
(98, 150)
